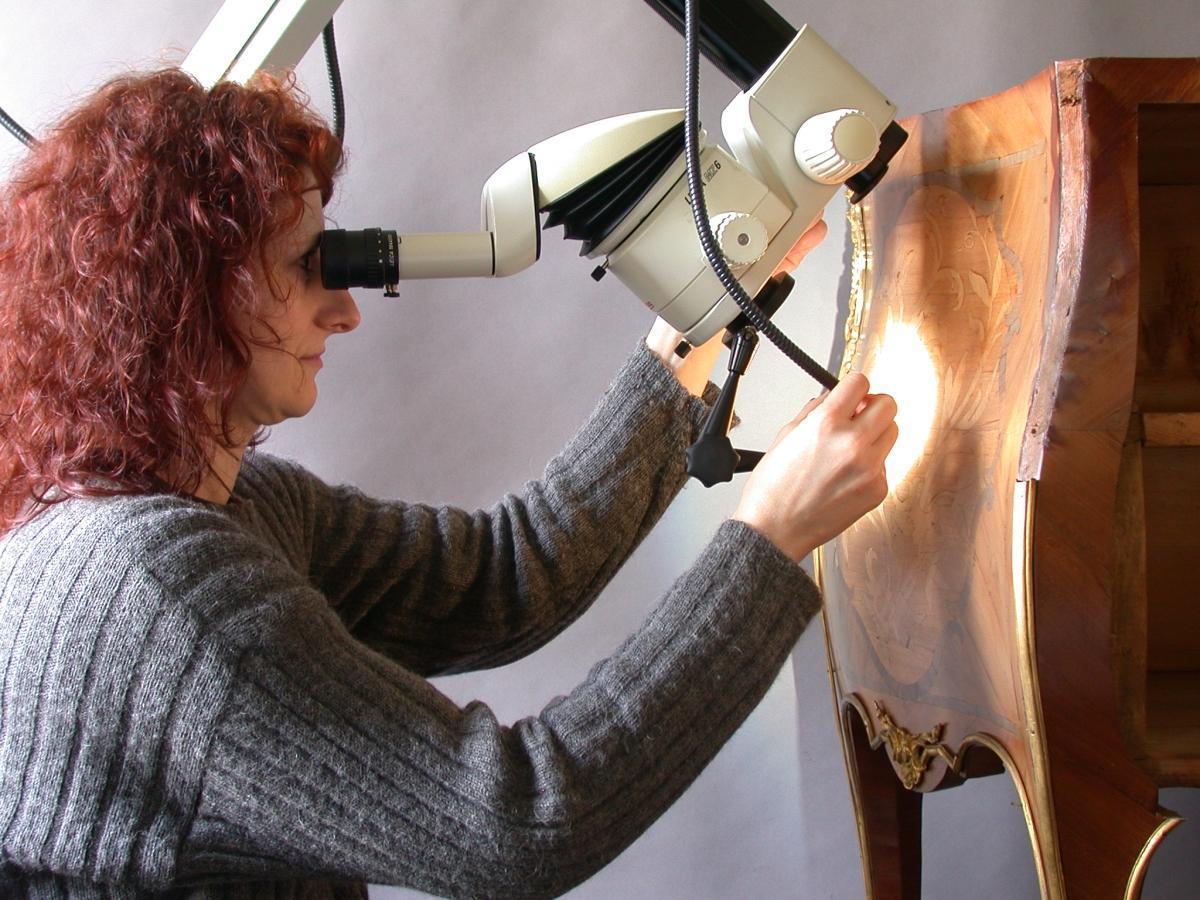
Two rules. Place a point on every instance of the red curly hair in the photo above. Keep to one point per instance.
(130, 239)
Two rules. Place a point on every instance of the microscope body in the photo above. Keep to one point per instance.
(808, 125)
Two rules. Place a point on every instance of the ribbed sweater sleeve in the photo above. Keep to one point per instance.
(112, 682)
(332, 761)
(444, 590)
(233, 697)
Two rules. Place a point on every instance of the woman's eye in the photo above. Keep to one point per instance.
(306, 262)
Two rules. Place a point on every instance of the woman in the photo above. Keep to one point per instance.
(214, 663)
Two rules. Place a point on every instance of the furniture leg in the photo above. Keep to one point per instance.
(888, 817)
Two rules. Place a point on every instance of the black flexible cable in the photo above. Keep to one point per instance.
(16, 130)
(335, 82)
(691, 136)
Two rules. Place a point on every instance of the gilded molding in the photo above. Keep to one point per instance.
(1043, 829)
(860, 272)
(1133, 888)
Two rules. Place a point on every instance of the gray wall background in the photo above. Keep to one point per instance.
(461, 390)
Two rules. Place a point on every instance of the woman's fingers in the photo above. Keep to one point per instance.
(803, 246)
(844, 400)
(825, 469)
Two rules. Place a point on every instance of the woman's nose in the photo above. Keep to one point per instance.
(340, 312)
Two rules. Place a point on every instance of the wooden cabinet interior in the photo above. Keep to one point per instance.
(1158, 535)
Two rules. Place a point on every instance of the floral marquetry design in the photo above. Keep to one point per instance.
(949, 324)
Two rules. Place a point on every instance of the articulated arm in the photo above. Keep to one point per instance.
(247, 35)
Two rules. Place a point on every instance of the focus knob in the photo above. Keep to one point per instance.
(832, 146)
(742, 238)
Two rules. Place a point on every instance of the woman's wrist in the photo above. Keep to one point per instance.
(795, 547)
(691, 371)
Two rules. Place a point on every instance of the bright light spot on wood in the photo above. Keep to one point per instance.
(904, 369)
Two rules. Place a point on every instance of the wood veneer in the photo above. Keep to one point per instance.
(1028, 286)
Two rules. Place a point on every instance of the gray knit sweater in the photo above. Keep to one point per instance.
(231, 701)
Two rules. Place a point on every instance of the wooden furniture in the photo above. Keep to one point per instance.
(1027, 284)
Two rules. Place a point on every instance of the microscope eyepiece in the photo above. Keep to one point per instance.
(368, 258)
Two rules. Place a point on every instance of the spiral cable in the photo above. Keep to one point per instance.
(335, 82)
(691, 135)
(16, 130)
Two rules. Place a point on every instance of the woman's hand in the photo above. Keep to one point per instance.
(693, 371)
(804, 245)
(824, 469)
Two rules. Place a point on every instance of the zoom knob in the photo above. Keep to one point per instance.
(742, 238)
(833, 146)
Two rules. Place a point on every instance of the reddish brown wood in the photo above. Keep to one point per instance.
(890, 819)
(1105, 803)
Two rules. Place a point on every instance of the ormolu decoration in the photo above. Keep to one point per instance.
(912, 752)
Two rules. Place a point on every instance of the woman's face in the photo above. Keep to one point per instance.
(281, 383)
